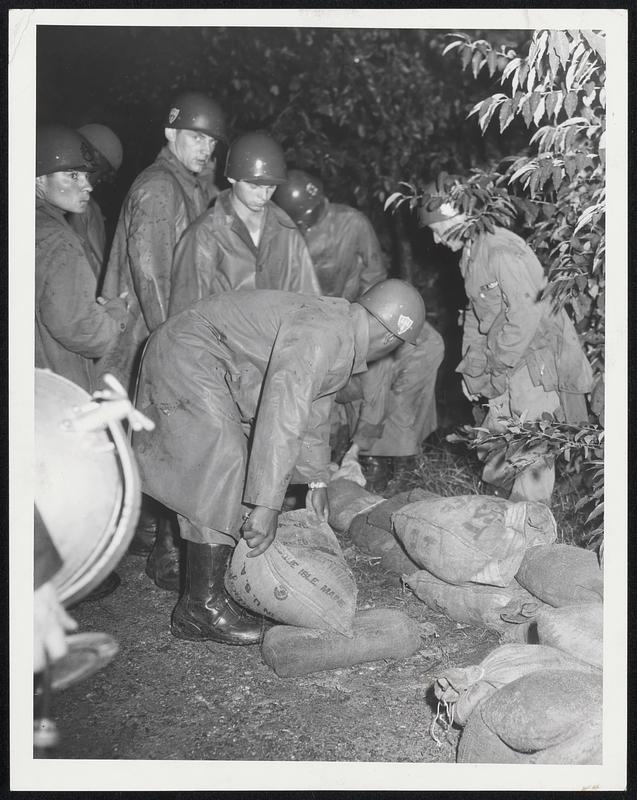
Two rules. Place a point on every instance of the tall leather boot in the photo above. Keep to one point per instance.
(205, 611)
(377, 471)
(147, 527)
(163, 562)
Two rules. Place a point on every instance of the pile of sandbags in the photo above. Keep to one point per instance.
(468, 550)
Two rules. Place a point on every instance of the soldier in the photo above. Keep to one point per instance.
(164, 199)
(517, 352)
(90, 224)
(391, 408)
(71, 327)
(240, 387)
(244, 241)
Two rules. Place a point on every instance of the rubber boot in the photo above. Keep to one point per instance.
(147, 527)
(163, 562)
(377, 471)
(205, 611)
(405, 467)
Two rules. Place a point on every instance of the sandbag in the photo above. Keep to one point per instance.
(397, 562)
(347, 499)
(577, 630)
(472, 538)
(480, 745)
(544, 709)
(562, 575)
(381, 515)
(369, 538)
(379, 633)
(464, 688)
(472, 604)
(301, 579)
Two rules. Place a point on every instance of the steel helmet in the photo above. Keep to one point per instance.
(194, 111)
(59, 148)
(398, 306)
(302, 198)
(257, 158)
(436, 205)
(106, 142)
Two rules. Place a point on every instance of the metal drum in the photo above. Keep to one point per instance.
(86, 486)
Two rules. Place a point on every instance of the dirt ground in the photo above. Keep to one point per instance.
(162, 698)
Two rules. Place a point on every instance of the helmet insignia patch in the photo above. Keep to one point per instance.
(172, 116)
(311, 189)
(404, 324)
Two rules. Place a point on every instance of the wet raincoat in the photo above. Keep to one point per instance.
(397, 408)
(390, 409)
(90, 227)
(164, 199)
(71, 328)
(217, 254)
(510, 336)
(346, 254)
(264, 364)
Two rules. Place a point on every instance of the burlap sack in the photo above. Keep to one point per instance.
(301, 579)
(379, 633)
(464, 688)
(347, 499)
(544, 709)
(472, 538)
(473, 604)
(576, 630)
(562, 575)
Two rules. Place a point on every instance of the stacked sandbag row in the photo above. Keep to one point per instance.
(534, 704)
(303, 581)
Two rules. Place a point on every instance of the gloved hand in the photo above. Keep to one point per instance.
(259, 529)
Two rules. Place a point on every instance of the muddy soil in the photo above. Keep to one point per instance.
(162, 698)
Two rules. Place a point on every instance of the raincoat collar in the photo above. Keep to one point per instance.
(360, 324)
(174, 165)
(49, 209)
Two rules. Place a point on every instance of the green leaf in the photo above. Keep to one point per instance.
(465, 56)
(476, 63)
(538, 113)
(556, 177)
(570, 103)
(551, 102)
(527, 112)
(506, 114)
(492, 61)
(562, 47)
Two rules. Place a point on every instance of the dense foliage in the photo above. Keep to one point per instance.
(557, 188)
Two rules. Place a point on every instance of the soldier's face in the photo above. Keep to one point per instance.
(192, 148)
(69, 191)
(252, 195)
(440, 231)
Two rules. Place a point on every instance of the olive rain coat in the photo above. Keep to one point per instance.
(259, 363)
(391, 408)
(397, 411)
(90, 227)
(217, 254)
(507, 327)
(346, 254)
(71, 328)
(164, 199)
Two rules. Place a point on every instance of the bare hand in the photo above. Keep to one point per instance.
(50, 625)
(316, 502)
(259, 529)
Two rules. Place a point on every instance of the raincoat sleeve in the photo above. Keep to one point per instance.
(315, 448)
(290, 414)
(194, 266)
(151, 239)
(68, 308)
(371, 256)
(375, 385)
(520, 280)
